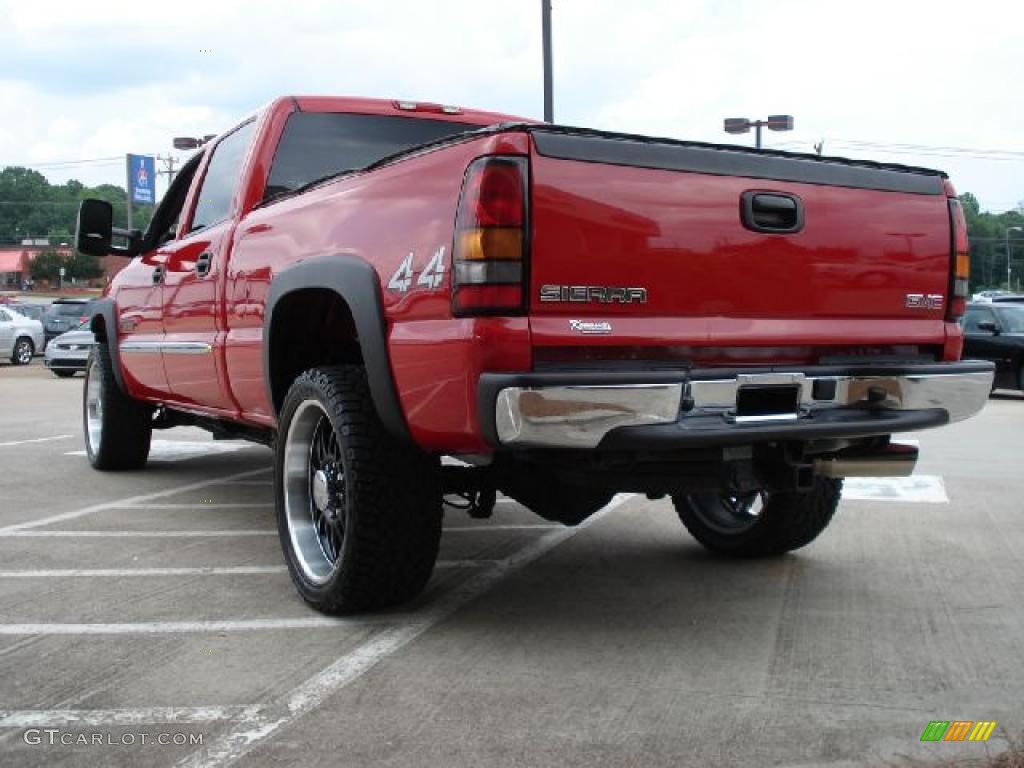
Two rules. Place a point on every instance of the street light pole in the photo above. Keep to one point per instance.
(1009, 270)
(773, 123)
(549, 96)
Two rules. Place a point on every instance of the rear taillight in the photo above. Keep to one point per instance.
(490, 251)
(960, 267)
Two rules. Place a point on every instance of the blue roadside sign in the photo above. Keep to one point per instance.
(142, 178)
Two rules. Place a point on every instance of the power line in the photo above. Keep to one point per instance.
(55, 163)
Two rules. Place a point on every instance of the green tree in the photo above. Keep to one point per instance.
(31, 207)
(46, 266)
(988, 241)
(82, 266)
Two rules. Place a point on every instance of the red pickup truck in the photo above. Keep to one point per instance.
(370, 285)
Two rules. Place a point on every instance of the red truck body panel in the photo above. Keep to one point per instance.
(718, 293)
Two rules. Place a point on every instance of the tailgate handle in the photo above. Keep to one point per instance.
(773, 212)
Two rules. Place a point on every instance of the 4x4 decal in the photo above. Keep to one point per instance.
(431, 276)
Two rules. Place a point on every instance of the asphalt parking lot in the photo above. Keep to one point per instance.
(157, 603)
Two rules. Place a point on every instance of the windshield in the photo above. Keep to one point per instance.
(70, 309)
(319, 144)
(1012, 319)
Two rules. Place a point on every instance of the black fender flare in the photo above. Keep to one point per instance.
(106, 310)
(357, 284)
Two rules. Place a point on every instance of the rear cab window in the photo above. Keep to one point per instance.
(315, 145)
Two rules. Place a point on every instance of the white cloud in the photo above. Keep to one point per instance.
(77, 84)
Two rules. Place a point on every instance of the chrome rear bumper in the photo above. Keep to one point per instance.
(550, 410)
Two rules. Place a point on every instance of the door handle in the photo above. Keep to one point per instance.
(775, 212)
(203, 263)
(158, 274)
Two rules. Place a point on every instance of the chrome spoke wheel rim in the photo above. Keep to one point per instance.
(24, 353)
(731, 514)
(315, 497)
(93, 408)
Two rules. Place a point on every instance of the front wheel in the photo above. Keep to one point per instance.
(23, 351)
(117, 428)
(759, 524)
(359, 513)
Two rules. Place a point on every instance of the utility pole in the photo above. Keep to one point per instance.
(128, 188)
(549, 96)
(168, 170)
(1009, 268)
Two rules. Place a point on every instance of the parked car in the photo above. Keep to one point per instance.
(31, 311)
(995, 332)
(64, 315)
(20, 336)
(68, 354)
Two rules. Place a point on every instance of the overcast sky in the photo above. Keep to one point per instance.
(85, 81)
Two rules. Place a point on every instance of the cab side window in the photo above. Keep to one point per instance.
(221, 178)
(4, 317)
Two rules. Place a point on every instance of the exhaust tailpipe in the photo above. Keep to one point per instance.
(895, 460)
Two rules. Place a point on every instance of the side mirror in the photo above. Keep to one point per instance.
(95, 227)
(988, 326)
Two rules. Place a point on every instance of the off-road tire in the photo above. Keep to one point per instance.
(125, 424)
(391, 504)
(23, 351)
(787, 521)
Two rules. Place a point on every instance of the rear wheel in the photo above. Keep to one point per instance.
(117, 428)
(359, 514)
(23, 351)
(759, 524)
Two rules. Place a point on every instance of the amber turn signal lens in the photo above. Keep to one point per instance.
(490, 244)
(963, 265)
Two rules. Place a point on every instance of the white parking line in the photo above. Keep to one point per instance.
(34, 440)
(179, 450)
(31, 534)
(216, 533)
(486, 527)
(268, 719)
(39, 718)
(183, 627)
(88, 573)
(916, 489)
(197, 505)
(132, 500)
(230, 570)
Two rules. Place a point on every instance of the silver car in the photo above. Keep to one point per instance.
(20, 336)
(69, 352)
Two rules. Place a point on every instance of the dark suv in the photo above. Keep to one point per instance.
(63, 315)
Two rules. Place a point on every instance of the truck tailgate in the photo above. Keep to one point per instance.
(667, 220)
